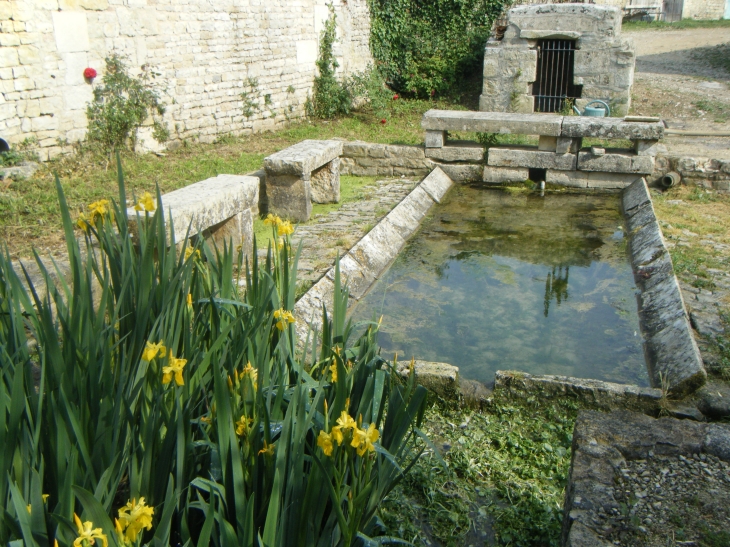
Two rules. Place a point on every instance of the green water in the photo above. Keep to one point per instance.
(498, 280)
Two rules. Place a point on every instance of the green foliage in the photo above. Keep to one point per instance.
(25, 151)
(423, 48)
(250, 97)
(121, 105)
(227, 452)
(507, 470)
(330, 97)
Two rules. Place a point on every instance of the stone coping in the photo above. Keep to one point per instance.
(672, 355)
(207, 203)
(370, 257)
(603, 443)
(549, 125)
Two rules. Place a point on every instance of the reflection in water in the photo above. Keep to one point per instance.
(484, 285)
(556, 286)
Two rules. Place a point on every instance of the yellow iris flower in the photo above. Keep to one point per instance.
(337, 434)
(345, 421)
(285, 228)
(243, 425)
(82, 223)
(333, 370)
(152, 350)
(268, 449)
(88, 534)
(272, 220)
(175, 368)
(133, 517)
(146, 203)
(284, 317)
(324, 441)
(363, 439)
(189, 251)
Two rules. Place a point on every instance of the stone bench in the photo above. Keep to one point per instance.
(306, 172)
(560, 150)
(218, 208)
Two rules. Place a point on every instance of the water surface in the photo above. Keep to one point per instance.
(499, 280)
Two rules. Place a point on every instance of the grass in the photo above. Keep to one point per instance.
(718, 110)
(505, 481)
(684, 23)
(351, 189)
(29, 215)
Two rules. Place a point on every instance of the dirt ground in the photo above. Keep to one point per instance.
(679, 77)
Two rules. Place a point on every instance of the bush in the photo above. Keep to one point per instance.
(159, 396)
(423, 48)
(121, 105)
(330, 97)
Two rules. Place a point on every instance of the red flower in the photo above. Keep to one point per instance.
(396, 97)
(383, 121)
(433, 92)
(89, 73)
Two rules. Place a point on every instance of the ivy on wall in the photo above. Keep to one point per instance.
(423, 47)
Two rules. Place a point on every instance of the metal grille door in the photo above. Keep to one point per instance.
(673, 10)
(554, 75)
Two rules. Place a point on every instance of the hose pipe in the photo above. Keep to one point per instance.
(670, 179)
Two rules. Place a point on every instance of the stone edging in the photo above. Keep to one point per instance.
(371, 256)
(672, 355)
(602, 443)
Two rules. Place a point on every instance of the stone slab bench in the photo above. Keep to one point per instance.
(300, 174)
(559, 151)
(220, 208)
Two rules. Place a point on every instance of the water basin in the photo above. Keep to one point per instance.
(509, 280)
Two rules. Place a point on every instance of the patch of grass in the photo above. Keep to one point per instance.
(718, 56)
(684, 23)
(718, 110)
(507, 470)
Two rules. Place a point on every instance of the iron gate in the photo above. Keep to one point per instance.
(673, 10)
(554, 82)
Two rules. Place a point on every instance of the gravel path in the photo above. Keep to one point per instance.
(670, 501)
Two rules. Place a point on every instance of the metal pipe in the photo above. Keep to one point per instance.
(697, 133)
(670, 179)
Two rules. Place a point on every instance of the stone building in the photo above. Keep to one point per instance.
(547, 53)
(206, 53)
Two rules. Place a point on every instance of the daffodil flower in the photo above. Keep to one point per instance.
(284, 317)
(175, 368)
(152, 350)
(88, 534)
(146, 203)
(324, 441)
(133, 517)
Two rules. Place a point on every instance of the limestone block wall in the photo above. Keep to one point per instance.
(204, 53)
(604, 59)
(703, 9)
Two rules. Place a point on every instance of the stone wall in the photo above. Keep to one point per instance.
(204, 52)
(693, 9)
(604, 60)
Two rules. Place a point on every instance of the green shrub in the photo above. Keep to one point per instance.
(121, 105)
(159, 395)
(423, 48)
(330, 96)
(25, 151)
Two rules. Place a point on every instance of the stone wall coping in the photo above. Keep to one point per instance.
(207, 203)
(671, 351)
(549, 125)
(303, 157)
